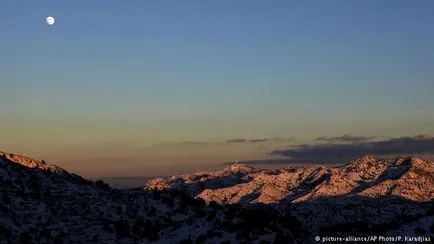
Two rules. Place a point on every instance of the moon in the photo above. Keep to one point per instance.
(50, 20)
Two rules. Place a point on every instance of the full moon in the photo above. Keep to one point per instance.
(50, 20)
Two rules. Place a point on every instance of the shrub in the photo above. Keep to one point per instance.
(138, 226)
(199, 213)
(153, 237)
(102, 185)
(255, 218)
(25, 237)
(156, 195)
(241, 235)
(200, 239)
(168, 201)
(419, 231)
(199, 202)
(6, 199)
(187, 241)
(122, 228)
(213, 233)
(211, 215)
(215, 205)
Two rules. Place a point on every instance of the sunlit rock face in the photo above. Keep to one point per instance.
(407, 178)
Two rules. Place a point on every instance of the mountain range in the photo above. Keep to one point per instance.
(43, 203)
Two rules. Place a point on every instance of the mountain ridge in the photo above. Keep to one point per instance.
(366, 176)
(238, 204)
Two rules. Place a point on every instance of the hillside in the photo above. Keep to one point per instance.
(42, 203)
(406, 178)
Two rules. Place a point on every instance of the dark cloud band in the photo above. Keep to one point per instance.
(346, 138)
(421, 144)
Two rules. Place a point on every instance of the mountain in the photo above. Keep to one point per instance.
(407, 178)
(368, 190)
(42, 203)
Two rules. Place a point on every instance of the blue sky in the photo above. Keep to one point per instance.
(155, 72)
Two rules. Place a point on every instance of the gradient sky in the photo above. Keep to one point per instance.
(112, 79)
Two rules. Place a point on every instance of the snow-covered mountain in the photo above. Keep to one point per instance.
(406, 178)
(367, 190)
(42, 203)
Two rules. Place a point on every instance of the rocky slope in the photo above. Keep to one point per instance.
(407, 178)
(41, 203)
(370, 192)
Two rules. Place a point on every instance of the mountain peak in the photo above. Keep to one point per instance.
(364, 159)
(36, 164)
(241, 168)
(24, 160)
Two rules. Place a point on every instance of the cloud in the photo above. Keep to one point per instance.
(238, 140)
(345, 138)
(195, 143)
(259, 140)
(242, 140)
(328, 153)
(226, 142)
(277, 139)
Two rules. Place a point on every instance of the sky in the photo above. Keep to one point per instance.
(156, 87)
